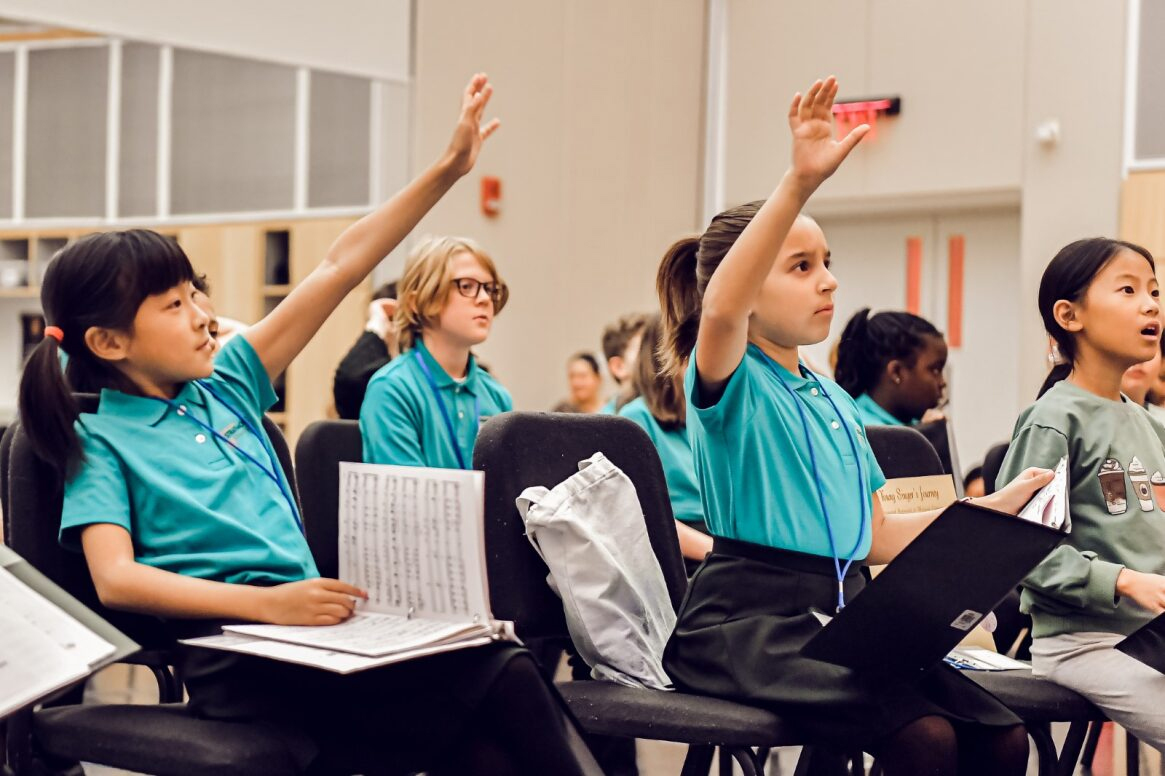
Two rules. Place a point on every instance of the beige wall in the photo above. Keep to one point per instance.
(599, 154)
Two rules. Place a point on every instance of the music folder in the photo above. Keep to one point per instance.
(938, 588)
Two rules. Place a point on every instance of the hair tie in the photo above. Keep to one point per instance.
(55, 332)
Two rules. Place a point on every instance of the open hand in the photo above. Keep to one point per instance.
(816, 155)
(469, 133)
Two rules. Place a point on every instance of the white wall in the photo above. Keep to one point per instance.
(365, 37)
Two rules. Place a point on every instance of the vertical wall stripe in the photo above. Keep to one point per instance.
(956, 249)
(914, 275)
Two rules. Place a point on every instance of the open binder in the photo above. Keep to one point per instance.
(48, 639)
(413, 538)
(939, 587)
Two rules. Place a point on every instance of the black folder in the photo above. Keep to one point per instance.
(1147, 643)
(938, 588)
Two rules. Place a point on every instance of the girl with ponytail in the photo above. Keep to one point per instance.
(787, 482)
(1100, 303)
(892, 364)
(177, 499)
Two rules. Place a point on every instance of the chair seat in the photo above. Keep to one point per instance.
(159, 739)
(605, 708)
(1035, 699)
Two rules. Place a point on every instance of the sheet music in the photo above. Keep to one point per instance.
(373, 635)
(412, 537)
(41, 647)
(339, 662)
(1050, 505)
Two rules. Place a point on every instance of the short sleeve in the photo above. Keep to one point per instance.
(97, 493)
(391, 425)
(239, 372)
(735, 403)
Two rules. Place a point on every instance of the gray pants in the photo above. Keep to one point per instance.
(1131, 693)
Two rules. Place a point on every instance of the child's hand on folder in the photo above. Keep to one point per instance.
(311, 602)
(1013, 496)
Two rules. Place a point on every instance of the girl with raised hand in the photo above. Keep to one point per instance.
(787, 482)
(1099, 300)
(892, 364)
(177, 499)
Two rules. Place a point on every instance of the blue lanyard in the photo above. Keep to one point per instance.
(271, 471)
(863, 497)
(445, 411)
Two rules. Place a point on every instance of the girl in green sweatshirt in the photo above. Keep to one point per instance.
(1099, 301)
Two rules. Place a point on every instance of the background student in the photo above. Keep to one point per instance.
(660, 409)
(620, 346)
(788, 480)
(892, 364)
(177, 498)
(1099, 300)
(375, 347)
(585, 383)
(425, 407)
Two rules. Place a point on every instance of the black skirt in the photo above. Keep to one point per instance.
(394, 719)
(739, 635)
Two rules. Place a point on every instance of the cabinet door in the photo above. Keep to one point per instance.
(232, 259)
(309, 379)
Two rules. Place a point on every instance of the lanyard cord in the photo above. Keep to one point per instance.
(445, 411)
(839, 569)
(271, 472)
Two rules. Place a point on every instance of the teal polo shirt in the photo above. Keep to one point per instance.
(754, 470)
(675, 453)
(874, 414)
(611, 407)
(192, 505)
(401, 420)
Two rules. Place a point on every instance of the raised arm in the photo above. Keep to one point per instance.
(280, 336)
(123, 583)
(732, 291)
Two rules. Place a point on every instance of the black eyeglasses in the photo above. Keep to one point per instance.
(470, 287)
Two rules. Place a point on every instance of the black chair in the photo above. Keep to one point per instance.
(518, 450)
(992, 463)
(161, 738)
(318, 453)
(903, 452)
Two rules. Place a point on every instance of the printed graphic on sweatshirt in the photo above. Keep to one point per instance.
(1141, 488)
(1158, 483)
(1112, 485)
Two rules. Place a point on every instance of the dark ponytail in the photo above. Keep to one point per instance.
(1068, 276)
(869, 342)
(662, 391)
(98, 281)
(683, 276)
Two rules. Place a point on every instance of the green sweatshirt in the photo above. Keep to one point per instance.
(1116, 463)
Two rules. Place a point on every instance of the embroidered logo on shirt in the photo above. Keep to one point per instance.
(232, 431)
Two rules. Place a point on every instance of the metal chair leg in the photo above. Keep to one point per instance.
(1070, 751)
(1045, 749)
(1132, 755)
(726, 757)
(750, 765)
(1094, 731)
(698, 761)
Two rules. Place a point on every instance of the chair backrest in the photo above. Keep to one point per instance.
(33, 519)
(5, 454)
(517, 450)
(903, 452)
(992, 463)
(321, 448)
